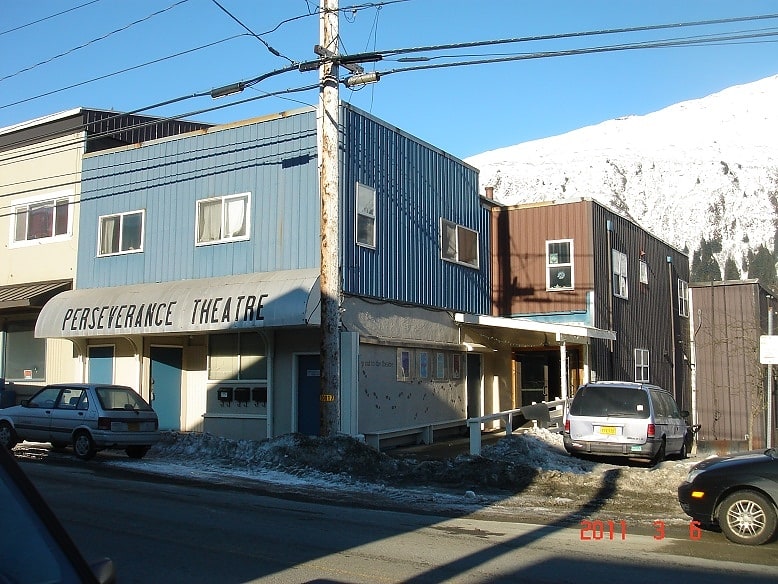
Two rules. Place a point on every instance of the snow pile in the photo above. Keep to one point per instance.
(525, 476)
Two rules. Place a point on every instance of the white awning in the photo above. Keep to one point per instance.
(245, 301)
(562, 331)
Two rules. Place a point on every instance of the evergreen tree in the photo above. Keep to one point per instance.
(731, 271)
(762, 266)
(704, 267)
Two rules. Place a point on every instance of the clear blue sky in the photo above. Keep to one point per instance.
(463, 110)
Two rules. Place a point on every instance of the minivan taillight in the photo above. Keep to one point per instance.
(103, 423)
(567, 426)
(651, 431)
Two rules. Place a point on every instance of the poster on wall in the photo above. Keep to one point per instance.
(403, 365)
(440, 365)
(456, 366)
(424, 364)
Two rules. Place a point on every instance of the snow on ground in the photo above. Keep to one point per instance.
(526, 476)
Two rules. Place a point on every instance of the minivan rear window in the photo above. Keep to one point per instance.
(618, 402)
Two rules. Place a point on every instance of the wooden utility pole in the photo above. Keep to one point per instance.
(328, 128)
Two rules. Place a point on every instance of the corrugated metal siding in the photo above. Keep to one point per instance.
(519, 263)
(648, 318)
(416, 185)
(274, 160)
(729, 376)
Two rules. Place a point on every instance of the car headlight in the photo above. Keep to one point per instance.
(693, 474)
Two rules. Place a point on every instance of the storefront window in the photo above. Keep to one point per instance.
(237, 356)
(25, 356)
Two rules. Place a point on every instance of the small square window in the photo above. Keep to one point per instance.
(223, 219)
(122, 233)
(458, 244)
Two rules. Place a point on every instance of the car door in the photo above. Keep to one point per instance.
(68, 413)
(34, 420)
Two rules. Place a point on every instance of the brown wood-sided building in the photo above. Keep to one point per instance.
(730, 382)
(579, 262)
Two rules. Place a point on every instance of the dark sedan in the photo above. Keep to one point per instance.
(739, 493)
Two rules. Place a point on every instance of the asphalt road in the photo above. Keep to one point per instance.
(162, 530)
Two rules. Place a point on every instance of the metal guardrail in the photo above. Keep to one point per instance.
(547, 414)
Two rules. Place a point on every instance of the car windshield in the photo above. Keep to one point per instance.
(120, 398)
(620, 402)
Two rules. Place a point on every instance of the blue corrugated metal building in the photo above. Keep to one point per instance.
(197, 278)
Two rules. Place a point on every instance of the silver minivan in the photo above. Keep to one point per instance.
(622, 418)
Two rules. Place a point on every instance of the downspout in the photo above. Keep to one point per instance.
(672, 324)
(609, 227)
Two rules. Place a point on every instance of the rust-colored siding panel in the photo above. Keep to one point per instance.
(519, 264)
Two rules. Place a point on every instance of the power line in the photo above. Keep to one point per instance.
(252, 33)
(86, 44)
(706, 40)
(45, 18)
(582, 34)
(140, 125)
(128, 69)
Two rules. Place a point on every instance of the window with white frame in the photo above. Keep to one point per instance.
(641, 365)
(559, 265)
(41, 219)
(365, 199)
(643, 271)
(458, 244)
(121, 233)
(221, 219)
(620, 287)
(683, 298)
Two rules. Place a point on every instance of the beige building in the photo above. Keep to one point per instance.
(40, 177)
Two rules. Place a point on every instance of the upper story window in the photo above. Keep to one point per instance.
(642, 365)
(458, 244)
(620, 287)
(365, 215)
(121, 233)
(559, 265)
(42, 219)
(221, 219)
(683, 298)
(643, 271)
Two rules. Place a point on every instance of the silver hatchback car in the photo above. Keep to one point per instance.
(89, 416)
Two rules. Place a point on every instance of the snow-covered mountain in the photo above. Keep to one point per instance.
(706, 168)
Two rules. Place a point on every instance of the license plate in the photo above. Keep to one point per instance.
(133, 426)
(610, 430)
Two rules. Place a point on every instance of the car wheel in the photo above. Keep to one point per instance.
(84, 446)
(747, 517)
(683, 453)
(8, 437)
(136, 451)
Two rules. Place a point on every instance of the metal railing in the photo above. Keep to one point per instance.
(546, 414)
